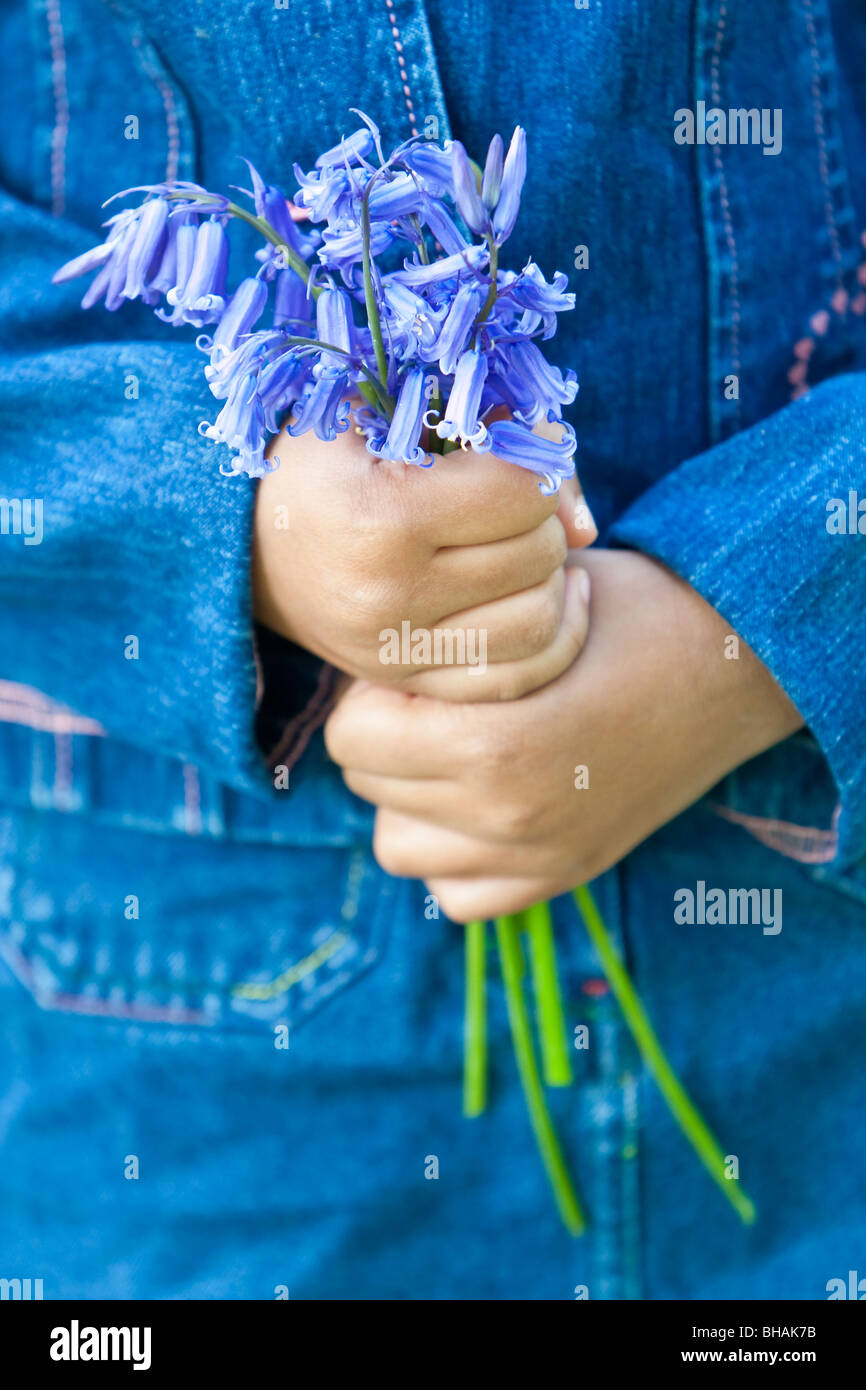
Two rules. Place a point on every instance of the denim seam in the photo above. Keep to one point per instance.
(60, 129)
(824, 109)
(401, 63)
(724, 310)
(616, 1215)
(180, 158)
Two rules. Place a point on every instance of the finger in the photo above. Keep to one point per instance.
(480, 680)
(519, 626)
(383, 731)
(409, 847)
(408, 796)
(575, 516)
(467, 575)
(482, 899)
(440, 805)
(470, 498)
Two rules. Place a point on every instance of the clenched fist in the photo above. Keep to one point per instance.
(364, 562)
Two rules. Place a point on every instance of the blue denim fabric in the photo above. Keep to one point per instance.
(164, 908)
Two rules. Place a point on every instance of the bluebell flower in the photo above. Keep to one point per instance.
(145, 253)
(492, 210)
(224, 368)
(491, 181)
(395, 197)
(281, 383)
(466, 193)
(292, 304)
(177, 254)
(431, 165)
(419, 276)
(537, 389)
(341, 247)
(542, 299)
(241, 425)
(326, 193)
(324, 405)
(335, 324)
(458, 324)
(272, 205)
(259, 380)
(460, 418)
(242, 313)
(513, 176)
(443, 227)
(135, 238)
(201, 299)
(94, 259)
(352, 147)
(515, 443)
(410, 321)
(401, 443)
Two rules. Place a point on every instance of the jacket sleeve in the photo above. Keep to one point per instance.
(755, 526)
(133, 606)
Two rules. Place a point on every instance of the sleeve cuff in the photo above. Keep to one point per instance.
(747, 524)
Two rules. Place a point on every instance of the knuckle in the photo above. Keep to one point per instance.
(548, 615)
(554, 546)
(373, 598)
(513, 820)
(389, 853)
(513, 683)
(484, 755)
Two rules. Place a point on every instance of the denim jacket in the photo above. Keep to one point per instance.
(159, 883)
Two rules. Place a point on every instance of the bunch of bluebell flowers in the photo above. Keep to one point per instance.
(386, 302)
(388, 306)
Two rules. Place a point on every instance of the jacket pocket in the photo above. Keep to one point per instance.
(120, 923)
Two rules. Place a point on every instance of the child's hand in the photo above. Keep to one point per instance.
(349, 549)
(503, 806)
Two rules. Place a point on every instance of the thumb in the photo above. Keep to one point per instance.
(577, 520)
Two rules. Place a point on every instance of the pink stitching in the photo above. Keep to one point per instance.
(402, 65)
(83, 1004)
(61, 107)
(260, 675)
(805, 843)
(192, 800)
(171, 122)
(726, 208)
(839, 303)
(19, 704)
(818, 109)
(304, 724)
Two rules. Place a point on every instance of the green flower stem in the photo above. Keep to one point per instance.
(434, 443)
(380, 399)
(511, 961)
(555, 1059)
(678, 1102)
(370, 297)
(475, 1025)
(264, 228)
(492, 291)
(371, 390)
